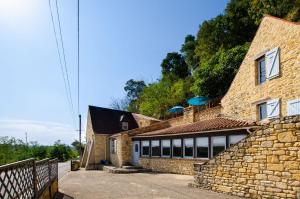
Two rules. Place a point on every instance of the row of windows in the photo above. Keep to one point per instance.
(188, 147)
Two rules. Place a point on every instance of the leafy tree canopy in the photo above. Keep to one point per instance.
(214, 76)
(134, 88)
(174, 66)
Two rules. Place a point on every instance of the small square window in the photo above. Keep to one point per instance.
(262, 111)
(261, 70)
(125, 126)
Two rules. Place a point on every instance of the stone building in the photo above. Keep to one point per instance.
(267, 84)
(102, 123)
(247, 145)
(266, 89)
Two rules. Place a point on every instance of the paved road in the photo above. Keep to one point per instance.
(100, 184)
(63, 168)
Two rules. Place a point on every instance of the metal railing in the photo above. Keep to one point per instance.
(27, 178)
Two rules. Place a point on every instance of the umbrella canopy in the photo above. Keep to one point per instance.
(176, 109)
(198, 101)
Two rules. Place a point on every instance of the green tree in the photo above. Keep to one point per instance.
(188, 51)
(214, 76)
(134, 88)
(288, 9)
(174, 66)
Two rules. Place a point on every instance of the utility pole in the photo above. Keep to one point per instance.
(26, 138)
(80, 136)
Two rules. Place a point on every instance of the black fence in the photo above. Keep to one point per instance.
(27, 178)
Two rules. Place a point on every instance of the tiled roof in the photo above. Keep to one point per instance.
(107, 121)
(219, 123)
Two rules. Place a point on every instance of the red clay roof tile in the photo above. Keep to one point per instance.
(219, 123)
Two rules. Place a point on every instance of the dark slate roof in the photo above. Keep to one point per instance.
(211, 125)
(108, 121)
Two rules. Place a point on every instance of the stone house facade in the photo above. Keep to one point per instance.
(105, 125)
(269, 75)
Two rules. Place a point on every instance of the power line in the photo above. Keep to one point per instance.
(69, 97)
(64, 56)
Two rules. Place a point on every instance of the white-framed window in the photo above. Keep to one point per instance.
(188, 147)
(202, 150)
(293, 107)
(261, 70)
(233, 139)
(155, 149)
(166, 148)
(145, 148)
(125, 126)
(262, 110)
(218, 144)
(177, 148)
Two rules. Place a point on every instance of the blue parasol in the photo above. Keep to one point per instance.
(176, 109)
(198, 101)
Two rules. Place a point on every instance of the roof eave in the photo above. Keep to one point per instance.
(198, 132)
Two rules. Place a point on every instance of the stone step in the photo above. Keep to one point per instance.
(112, 169)
(132, 167)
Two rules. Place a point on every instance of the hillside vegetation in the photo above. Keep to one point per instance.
(12, 150)
(207, 62)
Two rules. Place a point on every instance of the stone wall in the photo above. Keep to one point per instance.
(266, 164)
(208, 113)
(244, 93)
(122, 154)
(170, 165)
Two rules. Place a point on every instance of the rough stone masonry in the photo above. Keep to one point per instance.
(266, 164)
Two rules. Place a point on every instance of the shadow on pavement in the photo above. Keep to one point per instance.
(60, 195)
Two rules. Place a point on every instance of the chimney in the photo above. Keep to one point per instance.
(189, 114)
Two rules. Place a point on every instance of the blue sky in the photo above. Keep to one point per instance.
(120, 40)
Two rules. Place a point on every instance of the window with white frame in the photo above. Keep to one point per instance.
(233, 139)
(177, 148)
(125, 126)
(145, 148)
(202, 147)
(268, 65)
(261, 70)
(166, 148)
(218, 144)
(262, 111)
(188, 147)
(155, 149)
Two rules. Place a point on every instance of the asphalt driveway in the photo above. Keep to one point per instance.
(100, 184)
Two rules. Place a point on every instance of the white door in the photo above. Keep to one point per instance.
(135, 152)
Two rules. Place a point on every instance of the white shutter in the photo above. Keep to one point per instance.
(273, 108)
(272, 63)
(293, 107)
